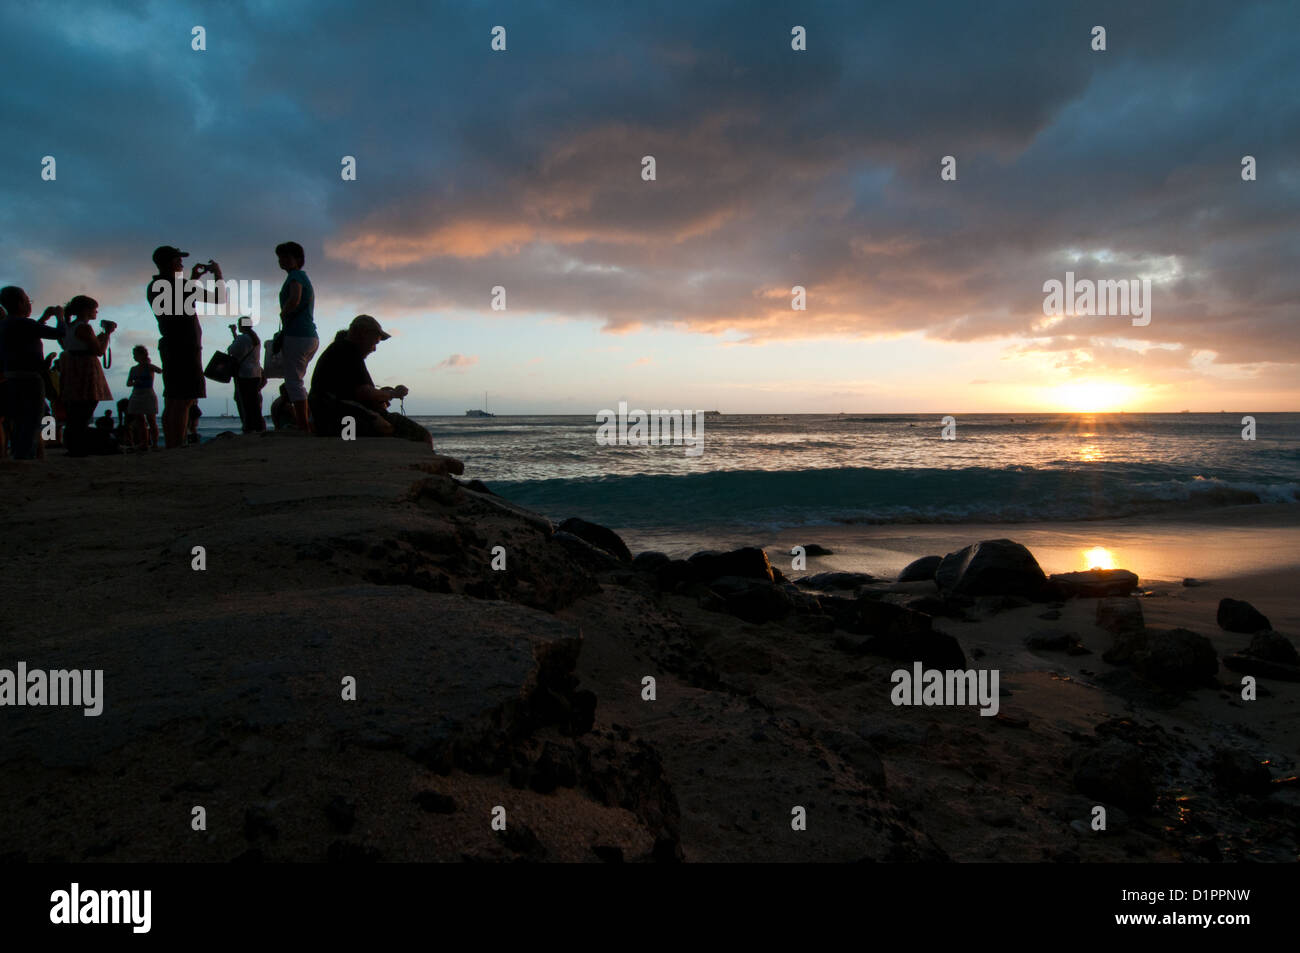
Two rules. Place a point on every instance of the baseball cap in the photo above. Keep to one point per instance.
(163, 255)
(364, 322)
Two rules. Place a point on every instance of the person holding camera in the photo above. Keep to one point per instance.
(83, 382)
(341, 387)
(245, 349)
(22, 363)
(180, 349)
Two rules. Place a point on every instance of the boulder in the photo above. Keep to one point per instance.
(1177, 659)
(813, 549)
(1123, 619)
(1273, 647)
(598, 536)
(1262, 668)
(804, 602)
(588, 555)
(989, 568)
(673, 573)
(899, 633)
(919, 570)
(1239, 772)
(835, 580)
(1056, 642)
(843, 610)
(1116, 773)
(1095, 583)
(650, 561)
(750, 562)
(752, 600)
(1238, 616)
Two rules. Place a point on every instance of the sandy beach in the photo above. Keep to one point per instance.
(523, 687)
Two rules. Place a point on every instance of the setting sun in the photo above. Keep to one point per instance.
(1092, 396)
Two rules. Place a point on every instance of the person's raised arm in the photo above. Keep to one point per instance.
(54, 332)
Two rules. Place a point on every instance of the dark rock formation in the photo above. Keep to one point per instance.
(750, 562)
(1123, 619)
(991, 567)
(599, 536)
(1237, 616)
(752, 599)
(1177, 658)
(1116, 773)
(1239, 772)
(1273, 647)
(835, 580)
(1094, 583)
(919, 570)
(650, 561)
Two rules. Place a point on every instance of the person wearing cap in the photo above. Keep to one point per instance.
(341, 386)
(299, 340)
(246, 348)
(180, 347)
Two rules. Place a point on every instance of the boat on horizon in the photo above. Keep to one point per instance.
(480, 413)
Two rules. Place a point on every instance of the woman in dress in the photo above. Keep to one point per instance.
(83, 384)
(143, 405)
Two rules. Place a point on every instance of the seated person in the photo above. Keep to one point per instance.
(341, 386)
(282, 410)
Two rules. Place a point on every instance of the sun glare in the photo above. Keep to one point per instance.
(1099, 557)
(1087, 397)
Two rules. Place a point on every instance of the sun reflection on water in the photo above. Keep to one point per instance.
(1099, 557)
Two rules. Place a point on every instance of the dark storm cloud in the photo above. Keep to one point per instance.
(775, 168)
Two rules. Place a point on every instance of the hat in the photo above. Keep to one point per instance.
(364, 322)
(163, 255)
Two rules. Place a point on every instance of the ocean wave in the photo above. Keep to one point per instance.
(864, 495)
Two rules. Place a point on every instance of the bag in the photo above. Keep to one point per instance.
(221, 368)
(272, 360)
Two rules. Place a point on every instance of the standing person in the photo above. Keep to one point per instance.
(83, 382)
(248, 380)
(143, 404)
(22, 360)
(298, 325)
(53, 390)
(4, 429)
(181, 346)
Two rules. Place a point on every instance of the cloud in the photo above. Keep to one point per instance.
(774, 169)
(457, 362)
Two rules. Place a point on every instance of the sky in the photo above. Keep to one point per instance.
(522, 169)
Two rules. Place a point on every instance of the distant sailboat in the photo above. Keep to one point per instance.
(227, 415)
(480, 413)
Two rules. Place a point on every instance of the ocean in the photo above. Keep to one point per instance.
(764, 475)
